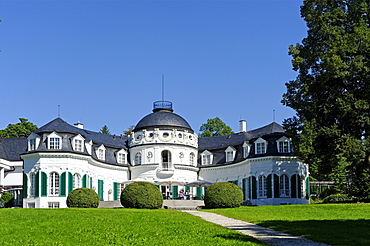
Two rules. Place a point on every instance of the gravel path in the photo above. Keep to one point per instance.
(268, 236)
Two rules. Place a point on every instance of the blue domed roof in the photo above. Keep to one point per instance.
(163, 117)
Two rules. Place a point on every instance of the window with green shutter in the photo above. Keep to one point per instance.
(175, 192)
(44, 184)
(253, 187)
(269, 186)
(70, 182)
(100, 189)
(308, 188)
(276, 186)
(293, 182)
(199, 193)
(37, 184)
(115, 191)
(63, 184)
(25, 185)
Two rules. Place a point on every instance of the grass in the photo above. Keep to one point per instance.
(112, 226)
(334, 224)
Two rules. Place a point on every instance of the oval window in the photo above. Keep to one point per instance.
(166, 134)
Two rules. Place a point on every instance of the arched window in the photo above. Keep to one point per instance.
(262, 187)
(138, 158)
(284, 186)
(33, 184)
(191, 158)
(166, 160)
(54, 184)
(76, 181)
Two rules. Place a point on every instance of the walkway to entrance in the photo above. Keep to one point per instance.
(268, 236)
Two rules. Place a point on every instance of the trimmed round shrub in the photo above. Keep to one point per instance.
(83, 198)
(223, 195)
(337, 198)
(141, 195)
(8, 199)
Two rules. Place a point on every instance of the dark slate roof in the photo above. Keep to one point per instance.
(60, 126)
(163, 118)
(11, 148)
(218, 142)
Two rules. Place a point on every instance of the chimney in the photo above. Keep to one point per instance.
(243, 126)
(79, 125)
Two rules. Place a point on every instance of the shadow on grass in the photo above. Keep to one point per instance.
(241, 238)
(333, 232)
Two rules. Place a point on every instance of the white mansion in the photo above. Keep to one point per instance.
(59, 157)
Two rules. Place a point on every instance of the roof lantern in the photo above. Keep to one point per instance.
(162, 106)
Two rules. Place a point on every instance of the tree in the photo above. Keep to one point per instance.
(331, 94)
(104, 130)
(17, 130)
(214, 127)
(129, 130)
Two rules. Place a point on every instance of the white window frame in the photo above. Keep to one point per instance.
(166, 160)
(78, 143)
(122, 156)
(100, 152)
(260, 146)
(33, 142)
(192, 158)
(246, 149)
(54, 141)
(77, 181)
(262, 186)
(54, 184)
(53, 205)
(284, 185)
(230, 153)
(32, 184)
(284, 145)
(138, 158)
(206, 157)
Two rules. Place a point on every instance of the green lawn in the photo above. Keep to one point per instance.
(112, 226)
(334, 224)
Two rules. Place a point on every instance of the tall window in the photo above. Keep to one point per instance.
(260, 148)
(262, 187)
(120, 189)
(76, 181)
(101, 154)
(284, 186)
(54, 184)
(33, 184)
(78, 145)
(122, 158)
(33, 144)
(166, 160)
(138, 158)
(191, 158)
(54, 143)
(206, 159)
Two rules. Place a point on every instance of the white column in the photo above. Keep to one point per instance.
(2, 176)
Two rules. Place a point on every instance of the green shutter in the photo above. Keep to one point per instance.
(63, 184)
(37, 184)
(308, 188)
(199, 193)
(90, 184)
(84, 179)
(115, 191)
(269, 186)
(25, 185)
(293, 182)
(70, 182)
(100, 189)
(44, 184)
(276, 186)
(254, 187)
(175, 192)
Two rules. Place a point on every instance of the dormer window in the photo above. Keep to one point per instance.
(284, 145)
(207, 158)
(54, 141)
(78, 143)
(246, 149)
(260, 146)
(121, 156)
(33, 142)
(100, 153)
(230, 154)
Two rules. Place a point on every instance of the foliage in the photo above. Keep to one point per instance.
(333, 224)
(337, 198)
(223, 195)
(104, 130)
(141, 195)
(16, 130)
(113, 227)
(214, 127)
(129, 131)
(331, 94)
(8, 199)
(83, 198)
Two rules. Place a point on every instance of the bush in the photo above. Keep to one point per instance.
(8, 199)
(141, 195)
(223, 195)
(83, 198)
(337, 198)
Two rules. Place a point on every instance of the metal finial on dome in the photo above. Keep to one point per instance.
(162, 105)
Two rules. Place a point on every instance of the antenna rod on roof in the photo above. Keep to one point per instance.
(162, 87)
(273, 115)
(58, 111)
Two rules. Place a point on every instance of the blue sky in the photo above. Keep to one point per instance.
(102, 61)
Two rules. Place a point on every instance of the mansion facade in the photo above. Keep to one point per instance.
(59, 157)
